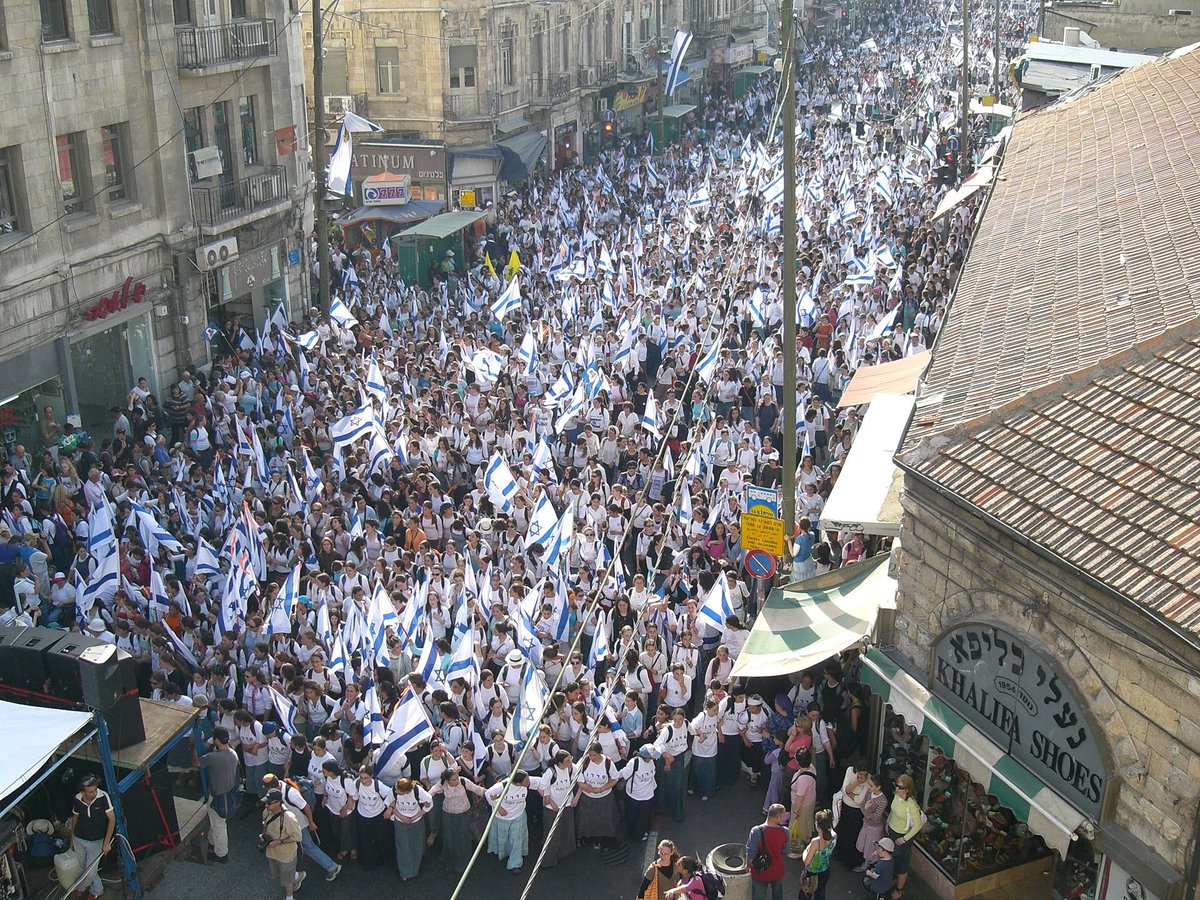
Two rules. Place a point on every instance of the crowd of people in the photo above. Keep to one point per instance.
(465, 559)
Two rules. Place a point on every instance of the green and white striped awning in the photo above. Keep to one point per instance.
(807, 622)
(1046, 813)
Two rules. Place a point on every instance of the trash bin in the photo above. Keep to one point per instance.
(729, 861)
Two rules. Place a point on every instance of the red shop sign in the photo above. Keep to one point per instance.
(129, 292)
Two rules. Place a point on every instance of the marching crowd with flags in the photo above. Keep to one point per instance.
(468, 558)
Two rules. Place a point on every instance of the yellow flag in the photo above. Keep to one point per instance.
(514, 265)
(487, 261)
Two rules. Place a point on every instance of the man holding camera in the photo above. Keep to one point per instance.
(280, 842)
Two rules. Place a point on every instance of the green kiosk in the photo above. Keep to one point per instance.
(746, 76)
(673, 117)
(417, 247)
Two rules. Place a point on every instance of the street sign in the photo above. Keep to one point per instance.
(762, 533)
(762, 501)
(760, 564)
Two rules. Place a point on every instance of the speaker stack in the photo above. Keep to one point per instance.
(72, 669)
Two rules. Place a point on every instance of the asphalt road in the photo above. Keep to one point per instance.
(585, 875)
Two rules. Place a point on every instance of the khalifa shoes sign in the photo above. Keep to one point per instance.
(1002, 686)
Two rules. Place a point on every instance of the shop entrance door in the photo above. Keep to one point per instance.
(104, 372)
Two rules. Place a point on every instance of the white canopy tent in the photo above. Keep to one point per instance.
(35, 735)
(866, 497)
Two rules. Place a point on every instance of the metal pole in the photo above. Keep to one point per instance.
(321, 218)
(788, 114)
(658, 74)
(964, 139)
(112, 783)
(996, 57)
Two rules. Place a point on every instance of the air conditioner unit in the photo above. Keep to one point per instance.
(589, 75)
(207, 162)
(1179, 12)
(218, 253)
(338, 106)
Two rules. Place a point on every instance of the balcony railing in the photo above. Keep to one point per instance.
(547, 89)
(608, 71)
(223, 202)
(747, 21)
(460, 107)
(213, 45)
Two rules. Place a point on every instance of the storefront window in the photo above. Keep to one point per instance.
(1076, 877)
(23, 418)
(106, 366)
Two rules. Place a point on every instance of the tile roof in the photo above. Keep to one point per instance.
(1064, 393)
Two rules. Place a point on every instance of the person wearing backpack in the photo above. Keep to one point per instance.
(764, 849)
(691, 884)
(672, 745)
(299, 797)
(596, 808)
(641, 781)
(804, 803)
(817, 855)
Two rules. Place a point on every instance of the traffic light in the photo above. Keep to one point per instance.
(608, 127)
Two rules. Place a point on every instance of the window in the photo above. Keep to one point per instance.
(508, 54)
(183, 12)
(387, 70)
(72, 172)
(221, 134)
(193, 134)
(337, 71)
(55, 23)
(100, 17)
(114, 141)
(462, 67)
(608, 36)
(3, 39)
(10, 209)
(237, 9)
(249, 130)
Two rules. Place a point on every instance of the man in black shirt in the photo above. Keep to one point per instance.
(92, 825)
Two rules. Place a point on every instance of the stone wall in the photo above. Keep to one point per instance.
(954, 567)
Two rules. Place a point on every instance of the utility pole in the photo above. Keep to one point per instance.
(788, 114)
(964, 138)
(658, 74)
(321, 217)
(996, 57)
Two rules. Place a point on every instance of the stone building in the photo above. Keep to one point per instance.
(1139, 26)
(504, 87)
(1043, 678)
(140, 142)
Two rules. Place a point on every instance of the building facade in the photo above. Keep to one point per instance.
(508, 86)
(138, 146)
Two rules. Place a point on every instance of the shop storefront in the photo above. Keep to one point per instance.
(23, 414)
(566, 142)
(250, 286)
(628, 104)
(1009, 771)
(424, 165)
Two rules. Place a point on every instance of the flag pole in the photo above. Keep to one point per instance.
(321, 217)
(964, 139)
(788, 84)
(658, 73)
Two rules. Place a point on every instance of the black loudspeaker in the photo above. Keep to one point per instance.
(23, 656)
(124, 720)
(91, 671)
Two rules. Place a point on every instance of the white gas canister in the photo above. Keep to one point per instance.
(68, 867)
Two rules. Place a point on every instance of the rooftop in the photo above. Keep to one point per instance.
(1063, 398)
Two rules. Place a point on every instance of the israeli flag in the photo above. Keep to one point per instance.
(374, 381)
(848, 212)
(561, 389)
(543, 522)
(508, 301)
(410, 619)
(207, 561)
(408, 727)
(883, 187)
(340, 313)
(463, 663)
(542, 460)
(487, 365)
(758, 308)
(679, 49)
(280, 620)
(650, 416)
(558, 542)
(500, 484)
(530, 703)
(351, 428)
(600, 650)
(528, 351)
(707, 367)
(574, 408)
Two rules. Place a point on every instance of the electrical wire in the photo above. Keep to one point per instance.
(729, 282)
(162, 146)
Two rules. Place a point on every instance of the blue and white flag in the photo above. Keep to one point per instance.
(309, 340)
(706, 368)
(207, 560)
(280, 619)
(558, 542)
(351, 428)
(340, 313)
(679, 49)
(374, 382)
(717, 606)
(542, 523)
(600, 650)
(530, 702)
(509, 300)
(463, 662)
(285, 712)
(499, 482)
(650, 417)
(338, 176)
(528, 351)
(487, 365)
(380, 615)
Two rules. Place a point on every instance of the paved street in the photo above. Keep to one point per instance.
(589, 874)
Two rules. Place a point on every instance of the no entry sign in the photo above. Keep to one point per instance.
(760, 564)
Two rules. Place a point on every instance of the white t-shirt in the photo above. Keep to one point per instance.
(640, 778)
(596, 774)
(513, 806)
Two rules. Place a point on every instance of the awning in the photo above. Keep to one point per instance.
(979, 108)
(512, 125)
(805, 623)
(755, 71)
(35, 735)
(898, 377)
(866, 497)
(1014, 786)
(442, 226)
(521, 154)
(978, 179)
(678, 111)
(405, 214)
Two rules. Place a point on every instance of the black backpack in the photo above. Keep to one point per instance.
(714, 885)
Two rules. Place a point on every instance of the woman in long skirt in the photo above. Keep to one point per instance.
(372, 799)
(558, 809)
(457, 840)
(596, 810)
(854, 792)
(410, 803)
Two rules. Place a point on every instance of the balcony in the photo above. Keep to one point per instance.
(746, 21)
(594, 77)
(608, 71)
(221, 206)
(219, 45)
(466, 107)
(546, 90)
